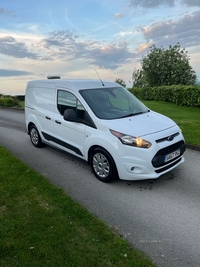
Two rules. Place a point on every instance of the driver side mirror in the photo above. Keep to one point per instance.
(70, 115)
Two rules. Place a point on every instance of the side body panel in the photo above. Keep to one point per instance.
(39, 107)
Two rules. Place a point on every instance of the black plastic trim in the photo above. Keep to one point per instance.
(158, 160)
(167, 138)
(168, 167)
(62, 143)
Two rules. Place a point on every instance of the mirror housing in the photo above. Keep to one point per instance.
(70, 115)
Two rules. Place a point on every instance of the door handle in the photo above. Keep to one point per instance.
(48, 118)
(58, 122)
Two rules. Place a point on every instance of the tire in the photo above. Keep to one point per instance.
(35, 137)
(103, 165)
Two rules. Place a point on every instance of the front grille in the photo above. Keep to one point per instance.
(167, 138)
(159, 158)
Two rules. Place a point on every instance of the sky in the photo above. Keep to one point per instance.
(73, 38)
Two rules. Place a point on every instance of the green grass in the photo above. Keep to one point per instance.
(41, 226)
(188, 118)
(22, 104)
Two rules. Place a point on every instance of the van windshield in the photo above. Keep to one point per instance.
(113, 103)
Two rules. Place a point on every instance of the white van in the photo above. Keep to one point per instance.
(104, 124)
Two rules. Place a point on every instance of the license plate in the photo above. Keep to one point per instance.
(172, 155)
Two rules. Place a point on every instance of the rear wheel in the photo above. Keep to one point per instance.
(35, 136)
(103, 165)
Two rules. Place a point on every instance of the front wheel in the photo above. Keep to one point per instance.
(103, 165)
(35, 136)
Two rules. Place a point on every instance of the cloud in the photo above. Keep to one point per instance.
(143, 47)
(151, 3)
(67, 46)
(186, 30)
(157, 3)
(63, 35)
(60, 39)
(191, 2)
(124, 33)
(10, 47)
(118, 15)
(9, 73)
(110, 56)
(47, 43)
(6, 12)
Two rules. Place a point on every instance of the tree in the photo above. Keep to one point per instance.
(165, 67)
(121, 82)
(138, 78)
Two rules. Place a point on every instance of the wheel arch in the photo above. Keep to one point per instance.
(29, 126)
(93, 147)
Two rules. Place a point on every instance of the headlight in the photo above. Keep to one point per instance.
(131, 140)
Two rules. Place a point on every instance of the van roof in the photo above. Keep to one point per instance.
(75, 84)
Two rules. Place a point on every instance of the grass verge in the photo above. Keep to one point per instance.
(188, 118)
(22, 104)
(42, 226)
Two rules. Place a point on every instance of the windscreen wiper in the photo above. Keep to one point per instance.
(134, 114)
(131, 114)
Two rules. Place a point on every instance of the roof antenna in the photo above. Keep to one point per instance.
(99, 78)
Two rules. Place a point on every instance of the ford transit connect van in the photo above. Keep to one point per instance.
(104, 124)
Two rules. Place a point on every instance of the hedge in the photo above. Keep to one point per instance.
(8, 102)
(1, 101)
(182, 95)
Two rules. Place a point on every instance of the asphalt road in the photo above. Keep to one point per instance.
(159, 217)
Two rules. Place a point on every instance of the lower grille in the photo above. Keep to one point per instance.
(168, 167)
(159, 158)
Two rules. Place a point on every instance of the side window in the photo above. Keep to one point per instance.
(80, 110)
(67, 100)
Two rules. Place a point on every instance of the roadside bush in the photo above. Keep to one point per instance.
(1, 101)
(8, 102)
(183, 95)
(15, 100)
